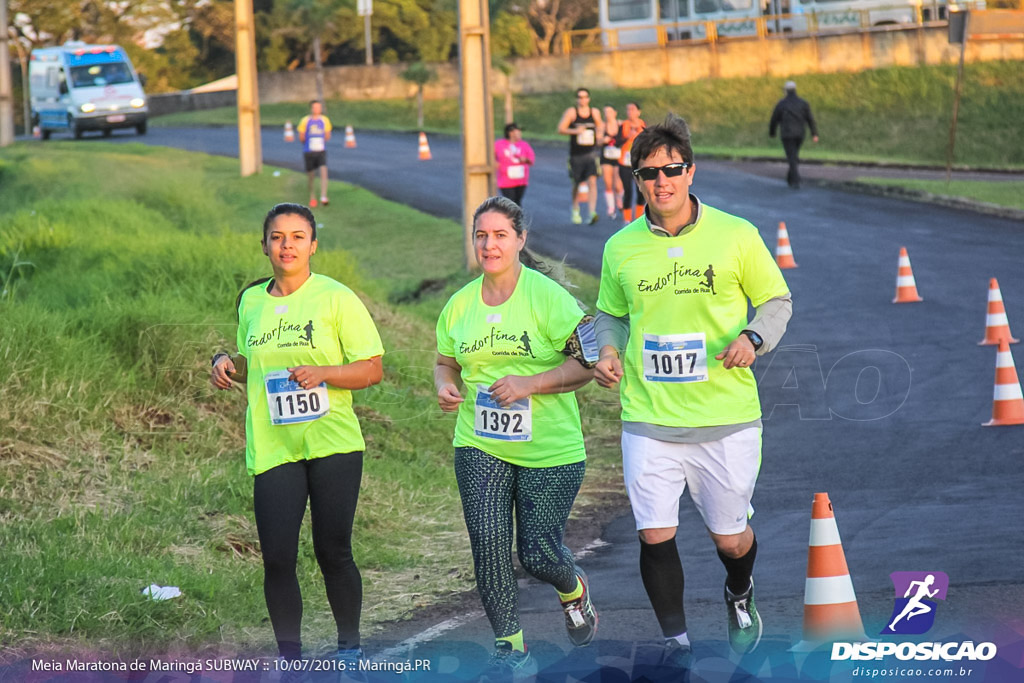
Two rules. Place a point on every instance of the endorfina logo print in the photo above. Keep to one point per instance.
(914, 607)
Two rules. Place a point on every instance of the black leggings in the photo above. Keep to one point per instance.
(631, 197)
(331, 484)
(542, 498)
(514, 193)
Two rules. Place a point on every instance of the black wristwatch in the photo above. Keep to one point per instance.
(754, 338)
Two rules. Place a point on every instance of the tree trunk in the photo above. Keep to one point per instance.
(319, 70)
(419, 106)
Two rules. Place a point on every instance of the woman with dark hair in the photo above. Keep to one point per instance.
(518, 345)
(514, 156)
(611, 152)
(305, 342)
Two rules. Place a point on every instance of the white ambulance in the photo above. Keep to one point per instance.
(77, 87)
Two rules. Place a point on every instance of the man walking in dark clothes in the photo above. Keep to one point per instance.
(793, 115)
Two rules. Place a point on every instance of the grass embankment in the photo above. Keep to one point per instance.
(1008, 193)
(120, 466)
(896, 115)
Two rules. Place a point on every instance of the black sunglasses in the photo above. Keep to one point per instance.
(670, 171)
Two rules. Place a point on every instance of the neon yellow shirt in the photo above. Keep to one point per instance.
(321, 323)
(523, 336)
(686, 298)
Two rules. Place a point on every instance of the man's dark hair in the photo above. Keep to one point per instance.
(673, 134)
(287, 209)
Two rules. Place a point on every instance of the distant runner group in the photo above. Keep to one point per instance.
(671, 334)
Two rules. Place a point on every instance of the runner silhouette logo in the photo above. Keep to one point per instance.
(914, 607)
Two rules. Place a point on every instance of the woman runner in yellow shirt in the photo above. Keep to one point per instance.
(502, 343)
(305, 343)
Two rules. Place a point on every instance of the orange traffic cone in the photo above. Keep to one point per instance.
(906, 288)
(1008, 401)
(997, 327)
(37, 132)
(289, 132)
(350, 137)
(830, 605)
(784, 252)
(424, 148)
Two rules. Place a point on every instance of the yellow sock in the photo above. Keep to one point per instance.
(515, 640)
(566, 597)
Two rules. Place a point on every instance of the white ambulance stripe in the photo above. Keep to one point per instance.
(905, 281)
(1004, 359)
(784, 250)
(996, 319)
(829, 590)
(1008, 392)
(824, 532)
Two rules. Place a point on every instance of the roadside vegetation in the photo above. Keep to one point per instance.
(895, 115)
(121, 467)
(1009, 193)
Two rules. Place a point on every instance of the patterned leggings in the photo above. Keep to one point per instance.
(542, 498)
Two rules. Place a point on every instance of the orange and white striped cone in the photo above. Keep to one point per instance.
(997, 327)
(350, 137)
(783, 250)
(906, 288)
(830, 605)
(37, 132)
(289, 132)
(424, 148)
(1008, 400)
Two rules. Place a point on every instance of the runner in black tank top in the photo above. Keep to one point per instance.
(585, 129)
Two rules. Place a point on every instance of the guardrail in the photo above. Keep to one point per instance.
(775, 26)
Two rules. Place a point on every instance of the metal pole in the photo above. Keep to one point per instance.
(477, 114)
(250, 149)
(366, 39)
(956, 99)
(6, 87)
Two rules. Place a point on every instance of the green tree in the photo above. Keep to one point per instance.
(420, 74)
(319, 22)
(549, 19)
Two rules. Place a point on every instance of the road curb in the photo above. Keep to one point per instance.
(921, 196)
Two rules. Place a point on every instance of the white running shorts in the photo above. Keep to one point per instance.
(720, 475)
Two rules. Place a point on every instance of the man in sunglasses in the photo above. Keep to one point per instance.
(673, 331)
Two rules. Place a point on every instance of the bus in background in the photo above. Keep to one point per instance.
(637, 22)
(77, 87)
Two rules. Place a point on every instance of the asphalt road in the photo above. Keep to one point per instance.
(878, 404)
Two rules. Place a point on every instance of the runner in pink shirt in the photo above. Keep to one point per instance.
(515, 156)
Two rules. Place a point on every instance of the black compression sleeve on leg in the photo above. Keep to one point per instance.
(739, 569)
(662, 574)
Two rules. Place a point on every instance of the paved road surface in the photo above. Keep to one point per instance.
(878, 404)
